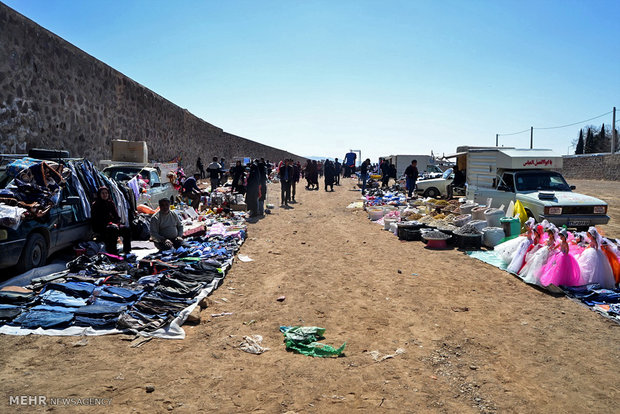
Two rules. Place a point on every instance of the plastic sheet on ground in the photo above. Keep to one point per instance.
(303, 340)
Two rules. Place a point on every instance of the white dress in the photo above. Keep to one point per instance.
(507, 250)
(595, 268)
(531, 272)
(517, 261)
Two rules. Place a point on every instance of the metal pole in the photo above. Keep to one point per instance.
(531, 137)
(496, 140)
(613, 133)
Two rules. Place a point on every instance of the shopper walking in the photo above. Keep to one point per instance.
(364, 174)
(412, 175)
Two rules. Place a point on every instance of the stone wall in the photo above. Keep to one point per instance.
(54, 95)
(592, 166)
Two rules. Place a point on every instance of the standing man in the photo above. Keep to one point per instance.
(296, 177)
(200, 167)
(337, 170)
(263, 174)
(364, 174)
(412, 175)
(214, 173)
(385, 172)
(166, 227)
(286, 175)
(329, 175)
(191, 190)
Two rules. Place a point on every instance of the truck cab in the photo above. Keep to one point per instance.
(529, 176)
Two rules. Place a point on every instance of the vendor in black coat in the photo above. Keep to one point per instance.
(252, 189)
(330, 175)
(238, 174)
(107, 223)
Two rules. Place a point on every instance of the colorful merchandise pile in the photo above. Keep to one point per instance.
(106, 294)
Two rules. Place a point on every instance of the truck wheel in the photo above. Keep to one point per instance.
(431, 192)
(34, 253)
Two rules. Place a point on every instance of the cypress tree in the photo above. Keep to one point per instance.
(579, 148)
(601, 141)
(588, 147)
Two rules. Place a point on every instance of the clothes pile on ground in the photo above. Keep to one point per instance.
(106, 294)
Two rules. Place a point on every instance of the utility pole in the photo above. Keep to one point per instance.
(496, 140)
(531, 137)
(613, 132)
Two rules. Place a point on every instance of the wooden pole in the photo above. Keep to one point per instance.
(531, 137)
(613, 133)
(496, 140)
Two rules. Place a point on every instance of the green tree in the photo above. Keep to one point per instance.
(579, 147)
(588, 147)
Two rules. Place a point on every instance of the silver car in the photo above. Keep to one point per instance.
(156, 188)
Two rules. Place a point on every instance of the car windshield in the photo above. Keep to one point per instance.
(541, 181)
(447, 173)
(121, 173)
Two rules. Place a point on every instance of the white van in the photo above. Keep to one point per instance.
(506, 174)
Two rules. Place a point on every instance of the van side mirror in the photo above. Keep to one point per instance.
(573, 187)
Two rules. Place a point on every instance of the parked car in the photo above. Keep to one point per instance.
(34, 240)
(156, 189)
(436, 187)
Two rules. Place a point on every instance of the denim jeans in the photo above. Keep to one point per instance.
(364, 178)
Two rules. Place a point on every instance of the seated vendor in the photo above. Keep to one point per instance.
(107, 223)
(166, 227)
(191, 190)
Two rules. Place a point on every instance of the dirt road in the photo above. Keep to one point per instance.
(475, 339)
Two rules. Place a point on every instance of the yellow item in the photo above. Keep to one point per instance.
(520, 211)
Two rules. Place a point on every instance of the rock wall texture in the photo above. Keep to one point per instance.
(54, 95)
(592, 166)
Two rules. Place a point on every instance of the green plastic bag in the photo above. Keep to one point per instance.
(303, 340)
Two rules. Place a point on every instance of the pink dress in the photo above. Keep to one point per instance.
(562, 269)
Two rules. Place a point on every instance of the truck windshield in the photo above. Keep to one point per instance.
(540, 181)
(122, 173)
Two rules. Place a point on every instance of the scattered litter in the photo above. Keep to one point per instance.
(302, 339)
(356, 204)
(150, 388)
(376, 355)
(224, 299)
(252, 344)
(216, 315)
(281, 298)
(231, 288)
(400, 271)
(460, 308)
(414, 274)
(81, 342)
(139, 341)
(244, 258)
(249, 322)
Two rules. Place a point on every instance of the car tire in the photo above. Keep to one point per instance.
(432, 192)
(34, 253)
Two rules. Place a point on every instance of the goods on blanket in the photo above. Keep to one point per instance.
(493, 216)
(446, 227)
(461, 220)
(303, 340)
(492, 236)
(388, 221)
(439, 216)
(511, 226)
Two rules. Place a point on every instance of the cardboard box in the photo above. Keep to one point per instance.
(130, 151)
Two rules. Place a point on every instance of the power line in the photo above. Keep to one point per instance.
(577, 123)
(514, 133)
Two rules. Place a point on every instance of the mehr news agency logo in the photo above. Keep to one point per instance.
(42, 400)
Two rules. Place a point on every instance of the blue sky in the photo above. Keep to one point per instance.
(385, 77)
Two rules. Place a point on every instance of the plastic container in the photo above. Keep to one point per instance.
(387, 223)
(437, 244)
(511, 226)
(493, 216)
(375, 213)
(477, 213)
(394, 228)
(492, 236)
(411, 235)
(468, 241)
(478, 224)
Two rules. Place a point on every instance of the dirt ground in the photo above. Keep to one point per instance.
(475, 339)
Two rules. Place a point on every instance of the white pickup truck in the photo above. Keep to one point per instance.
(509, 174)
